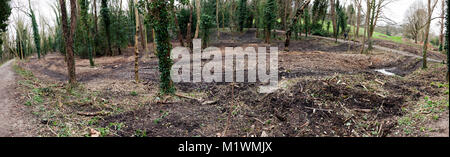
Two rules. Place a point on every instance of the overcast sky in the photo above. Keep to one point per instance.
(395, 11)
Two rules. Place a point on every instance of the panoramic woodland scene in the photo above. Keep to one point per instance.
(199, 68)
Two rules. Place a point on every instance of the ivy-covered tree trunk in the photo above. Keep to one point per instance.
(119, 13)
(5, 12)
(242, 14)
(36, 36)
(295, 19)
(269, 18)
(94, 52)
(307, 20)
(84, 19)
(104, 11)
(159, 9)
(68, 36)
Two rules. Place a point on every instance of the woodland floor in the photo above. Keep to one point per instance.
(326, 90)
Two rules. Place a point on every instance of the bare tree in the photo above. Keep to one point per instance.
(441, 36)
(189, 28)
(358, 16)
(369, 4)
(217, 18)
(333, 17)
(69, 32)
(430, 8)
(374, 11)
(414, 21)
(198, 9)
(177, 26)
(136, 44)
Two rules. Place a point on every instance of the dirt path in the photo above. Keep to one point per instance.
(440, 128)
(404, 53)
(13, 123)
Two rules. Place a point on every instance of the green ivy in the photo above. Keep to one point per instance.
(160, 22)
(270, 15)
(242, 7)
(206, 23)
(36, 36)
(105, 13)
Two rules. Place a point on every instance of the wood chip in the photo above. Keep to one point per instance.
(378, 81)
(187, 97)
(209, 102)
(363, 110)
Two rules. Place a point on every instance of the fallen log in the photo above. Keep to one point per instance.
(99, 113)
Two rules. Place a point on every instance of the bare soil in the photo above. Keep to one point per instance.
(14, 118)
(414, 49)
(326, 90)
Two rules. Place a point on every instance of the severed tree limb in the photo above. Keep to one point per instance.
(90, 114)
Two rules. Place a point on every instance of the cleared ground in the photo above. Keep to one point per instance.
(326, 89)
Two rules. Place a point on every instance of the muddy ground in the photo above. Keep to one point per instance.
(411, 48)
(326, 90)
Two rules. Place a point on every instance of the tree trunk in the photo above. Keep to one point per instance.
(366, 27)
(295, 19)
(89, 41)
(189, 28)
(217, 18)
(223, 18)
(154, 42)
(118, 20)
(232, 12)
(441, 36)
(447, 43)
(373, 22)
(425, 47)
(160, 14)
(95, 28)
(136, 45)
(284, 19)
(358, 18)
(73, 26)
(333, 18)
(144, 36)
(427, 32)
(177, 26)
(142, 31)
(68, 37)
(349, 36)
(198, 8)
